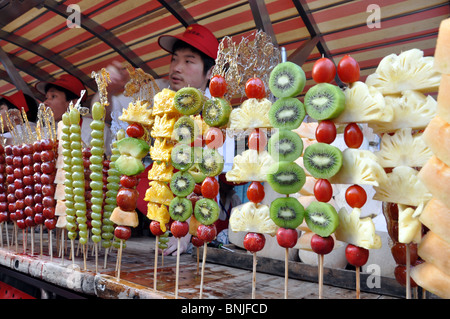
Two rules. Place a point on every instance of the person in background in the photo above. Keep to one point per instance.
(58, 96)
(18, 101)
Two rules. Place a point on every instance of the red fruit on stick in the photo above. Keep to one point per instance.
(197, 242)
(254, 242)
(356, 256)
(206, 233)
(348, 69)
(257, 140)
(127, 199)
(353, 136)
(322, 245)
(355, 196)
(399, 253)
(214, 138)
(323, 191)
(255, 192)
(323, 71)
(218, 86)
(254, 88)
(179, 229)
(400, 276)
(326, 132)
(287, 237)
(210, 187)
(122, 232)
(155, 228)
(135, 130)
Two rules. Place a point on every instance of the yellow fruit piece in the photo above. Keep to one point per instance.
(441, 56)
(436, 216)
(443, 98)
(161, 171)
(429, 277)
(163, 126)
(161, 150)
(435, 175)
(437, 137)
(124, 218)
(250, 165)
(163, 103)
(251, 217)
(409, 225)
(158, 192)
(160, 213)
(252, 113)
(357, 231)
(139, 112)
(436, 251)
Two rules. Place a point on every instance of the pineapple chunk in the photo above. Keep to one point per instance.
(163, 126)
(402, 186)
(411, 110)
(409, 70)
(158, 192)
(409, 225)
(137, 112)
(359, 167)
(363, 104)
(251, 165)
(160, 213)
(357, 231)
(163, 103)
(403, 149)
(161, 171)
(161, 150)
(253, 113)
(252, 217)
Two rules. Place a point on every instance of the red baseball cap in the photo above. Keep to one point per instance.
(66, 81)
(195, 35)
(17, 99)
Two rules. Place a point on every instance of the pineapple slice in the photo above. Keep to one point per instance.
(252, 217)
(409, 70)
(253, 113)
(163, 126)
(409, 225)
(163, 103)
(161, 171)
(403, 149)
(402, 186)
(160, 213)
(357, 231)
(158, 192)
(411, 110)
(363, 104)
(137, 112)
(359, 167)
(251, 165)
(161, 150)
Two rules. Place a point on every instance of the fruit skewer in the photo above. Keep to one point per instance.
(3, 200)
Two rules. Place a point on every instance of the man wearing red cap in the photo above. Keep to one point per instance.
(58, 96)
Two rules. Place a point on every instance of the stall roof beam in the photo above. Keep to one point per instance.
(262, 18)
(301, 54)
(11, 10)
(178, 11)
(105, 35)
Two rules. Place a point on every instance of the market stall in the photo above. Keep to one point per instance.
(321, 118)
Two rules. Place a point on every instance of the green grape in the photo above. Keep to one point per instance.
(97, 201)
(98, 111)
(96, 176)
(117, 241)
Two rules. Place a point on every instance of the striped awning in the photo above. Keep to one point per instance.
(38, 44)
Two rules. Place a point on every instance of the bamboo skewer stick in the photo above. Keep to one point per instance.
(155, 268)
(203, 270)
(408, 270)
(286, 273)
(254, 276)
(358, 283)
(320, 276)
(177, 268)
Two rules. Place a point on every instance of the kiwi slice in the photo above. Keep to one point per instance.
(196, 173)
(185, 130)
(216, 111)
(324, 101)
(211, 163)
(286, 177)
(182, 184)
(285, 145)
(321, 218)
(182, 157)
(322, 160)
(188, 100)
(287, 113)
(206, 211)
(180, 208)
(287, 79)
(287, 212)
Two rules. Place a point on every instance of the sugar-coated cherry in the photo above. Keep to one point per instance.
(155, 228)
(127, 199)
(218, 86)
(122, 232)
(197, 242)
(179, 229)
(206, 233)
(287, 237)
(322, 245)
(254, 242)
(356, 256)
(210, 187)
(255, 192)
(353, 136)
(255, 88)
(326, 132)
(323, 190)
(399, 253)
(129, 181)
(400, 276)
(355, 196)
(135, 130)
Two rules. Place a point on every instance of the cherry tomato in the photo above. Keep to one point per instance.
(257, 140)
(355, 196)
(348, 69)
(353, 136)
(214, 137)
(210, 187)
(323, 191)
(254, 88)
(323, 71)
(255, 192)
(135, 130)
(326, 132)
(217, 86)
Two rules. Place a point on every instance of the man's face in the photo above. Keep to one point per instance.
(186, 69)
(56, 100)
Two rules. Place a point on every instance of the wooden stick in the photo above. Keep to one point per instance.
(408, 276)
(358, 283)
(254, 276)
(119, 259)
(320, 276)
(84, 256)
(155, 268)
(198, 260)
(286, 273)
(32, 241)
(72, 250)
(7, 235)
(96, 256)
(177, 268)
(203, 270)
(15, 237)
(50, 245)
(1, 234)
(41, 240)
(62, 245)
(106, 257)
